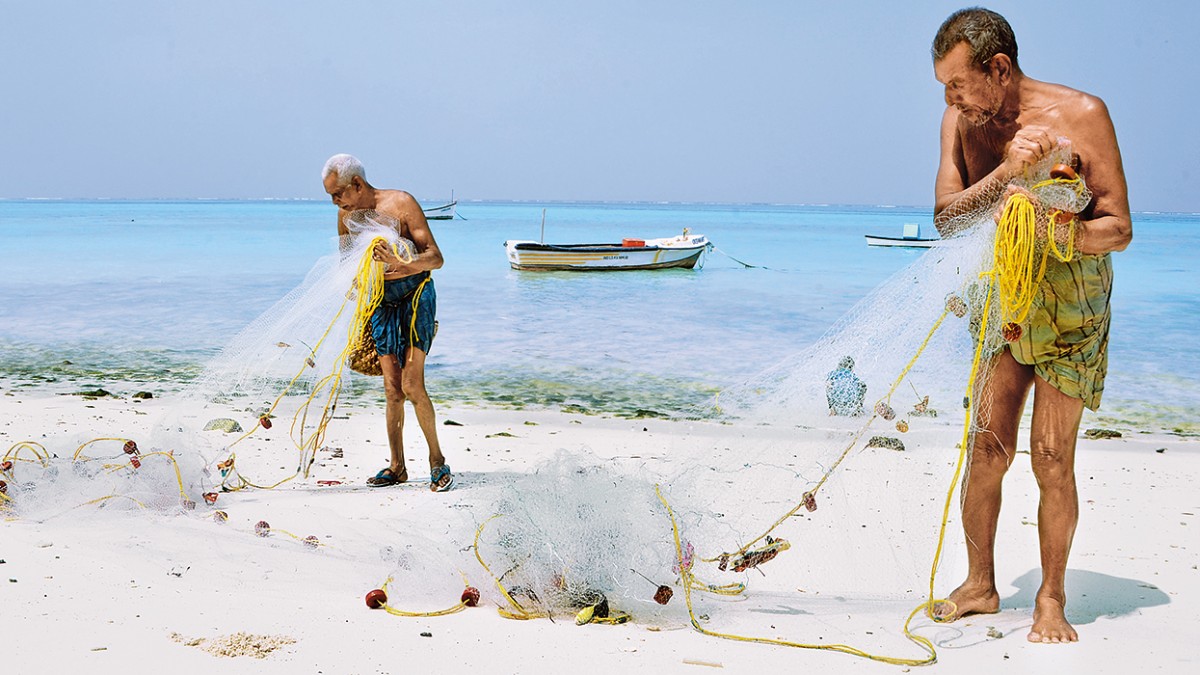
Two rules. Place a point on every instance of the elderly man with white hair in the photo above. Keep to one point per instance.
(403, 326)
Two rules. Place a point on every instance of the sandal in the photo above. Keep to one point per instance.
(440, 479)
(387, 477)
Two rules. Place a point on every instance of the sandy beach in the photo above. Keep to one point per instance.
(137, 592)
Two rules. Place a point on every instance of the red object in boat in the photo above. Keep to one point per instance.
(137, 463)
(633, 243)
(376, 598)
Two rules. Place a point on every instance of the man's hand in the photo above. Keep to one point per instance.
(1030, 145)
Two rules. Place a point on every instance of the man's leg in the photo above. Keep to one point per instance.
(414, 389)
(1000, 402)
(393, 393)
(1052, 450)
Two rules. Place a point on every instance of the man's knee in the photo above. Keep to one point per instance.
(394, 393)
(414, 390)
(989, 451)
(1051, 465)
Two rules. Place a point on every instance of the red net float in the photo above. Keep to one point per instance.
(376, 598)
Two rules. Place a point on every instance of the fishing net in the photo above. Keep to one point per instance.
(860, 439)
(278, 382)
(826, 518)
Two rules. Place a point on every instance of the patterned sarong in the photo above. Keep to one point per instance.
(406, 316)
(1066, 333)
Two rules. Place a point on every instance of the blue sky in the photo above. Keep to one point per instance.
(779, 102)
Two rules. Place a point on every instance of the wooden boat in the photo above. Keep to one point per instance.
(631, 254)
(912, 238)
(443, 212)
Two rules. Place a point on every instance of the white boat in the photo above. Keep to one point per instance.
(443, 212)
(911, 239)
(631, 254)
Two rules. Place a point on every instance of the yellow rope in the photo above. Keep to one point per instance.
(38, 450)
(686, 575)
(369, 282)
(517, 611)
(462, 604)
(845, 451)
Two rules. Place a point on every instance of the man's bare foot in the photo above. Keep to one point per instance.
(970, 598)
(1050, 623)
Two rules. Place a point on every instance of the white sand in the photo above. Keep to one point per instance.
(93, 593)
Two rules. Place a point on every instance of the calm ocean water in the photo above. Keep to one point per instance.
(123, 295)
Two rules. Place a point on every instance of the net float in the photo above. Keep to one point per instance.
(376, 598)
(1011, 331)
(902, 426)
(956, 305)
(265, 421)
(262, 528)
(6, 466)
(470, 596)
(311, 540)
(220, 516)
(188, 505)
(130, 448)
(663, 595)
(1063, 217)
(3, 487)
(810, 501)
(1063, 172)
(210, 498)
(885, 411)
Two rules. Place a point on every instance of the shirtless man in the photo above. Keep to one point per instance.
(408, 290)
(997, 123)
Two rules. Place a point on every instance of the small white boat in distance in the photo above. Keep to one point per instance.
(912, 238)
(631, 254)
(443, 212)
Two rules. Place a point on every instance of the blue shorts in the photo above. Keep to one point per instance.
(406, 316)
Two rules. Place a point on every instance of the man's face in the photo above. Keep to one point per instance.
(347, 196)
(976, 93)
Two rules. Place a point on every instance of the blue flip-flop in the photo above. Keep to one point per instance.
(437, 475)
(387, 477)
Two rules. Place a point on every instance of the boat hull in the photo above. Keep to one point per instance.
(656, 255)
(443, 212)
(901, 242)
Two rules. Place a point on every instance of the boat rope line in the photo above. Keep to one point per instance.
(740, 262)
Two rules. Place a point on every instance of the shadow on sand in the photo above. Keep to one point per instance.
(1090, 595)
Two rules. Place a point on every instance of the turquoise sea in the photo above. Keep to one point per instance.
(128, 295)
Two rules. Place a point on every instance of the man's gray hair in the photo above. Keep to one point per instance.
(985, 32)
(345, 167)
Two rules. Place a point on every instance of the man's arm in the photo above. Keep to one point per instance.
(953, 198)
(1108, 226)
(429, 256)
